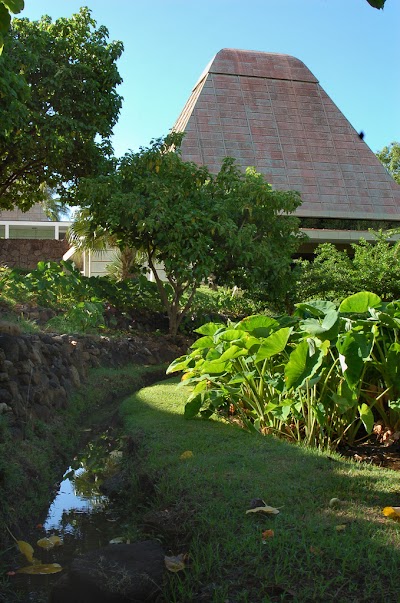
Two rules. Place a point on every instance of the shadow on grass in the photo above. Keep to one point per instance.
(348, 552)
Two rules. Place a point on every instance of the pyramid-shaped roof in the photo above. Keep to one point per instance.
(269, 111)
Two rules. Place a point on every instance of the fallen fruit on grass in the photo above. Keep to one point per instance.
(392, 512)
(334, 502)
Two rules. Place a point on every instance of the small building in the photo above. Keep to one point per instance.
(29, 237)
(269, 111)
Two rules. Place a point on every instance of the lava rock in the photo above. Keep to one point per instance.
(117, 573)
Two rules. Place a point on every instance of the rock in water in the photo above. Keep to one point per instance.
(116, 573)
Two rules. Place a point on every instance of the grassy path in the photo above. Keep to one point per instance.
(348, 552)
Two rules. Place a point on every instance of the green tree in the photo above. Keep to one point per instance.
(84, 237)
(390, 157)
(7, 7)
(371, 266)
(192, 223)
(377, 3)
(57, 108)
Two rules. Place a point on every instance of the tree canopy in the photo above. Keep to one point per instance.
(57, 108)
(7, 7)
(195, 224)
(390, 157)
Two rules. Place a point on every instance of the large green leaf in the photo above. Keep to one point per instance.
(233, 352)
(210, 328)
(367, 417)
(204, 342)
(329, 326)
(179, 364)
(390, 321)
(14, 6)
(230, 335)
(393, 365)
(317, 307)
(192, 408)
(258, 325)
(5, 21)
(360, 302)
(274, 344)
(354, 351)
(303, 363)
(214, 366)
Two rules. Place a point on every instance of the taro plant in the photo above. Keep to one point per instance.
(323, 375)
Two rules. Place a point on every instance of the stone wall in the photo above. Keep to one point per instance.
(39, 372)
(26, 253)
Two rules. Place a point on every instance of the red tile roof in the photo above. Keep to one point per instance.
(269, 111)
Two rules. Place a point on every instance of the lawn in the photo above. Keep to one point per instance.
(195, 480)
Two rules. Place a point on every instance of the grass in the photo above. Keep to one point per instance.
(205, 497)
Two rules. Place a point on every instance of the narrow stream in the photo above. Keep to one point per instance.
(80, 515)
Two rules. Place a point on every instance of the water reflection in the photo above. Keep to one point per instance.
(79, 514)
(73, 495)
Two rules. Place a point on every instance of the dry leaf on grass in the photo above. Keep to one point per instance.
(392, 512)
(267, 534)
(186, 455)
(175, 564)
(49, 568)
(265, 509)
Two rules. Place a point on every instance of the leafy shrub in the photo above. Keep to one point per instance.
(58, 285)
(321, 375)
(221, 303)
(81, 317)
(334, 274)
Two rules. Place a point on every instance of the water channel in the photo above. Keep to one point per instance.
(80, 515)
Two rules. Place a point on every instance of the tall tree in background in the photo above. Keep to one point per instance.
(57, 108)
(390, 157)
(192, 224)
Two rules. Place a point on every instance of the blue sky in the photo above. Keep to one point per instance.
(352, 48)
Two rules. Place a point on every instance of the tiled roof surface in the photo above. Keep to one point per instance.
(269, 111)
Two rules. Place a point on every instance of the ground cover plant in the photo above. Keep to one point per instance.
(329, 541)
(325, 375)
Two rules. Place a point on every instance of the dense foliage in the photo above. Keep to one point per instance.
(91, 303)
(192, 224)
(334, 274)
(7, 7)
(57, 107)
(390, 157)
(80, 302)
(321, 375)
